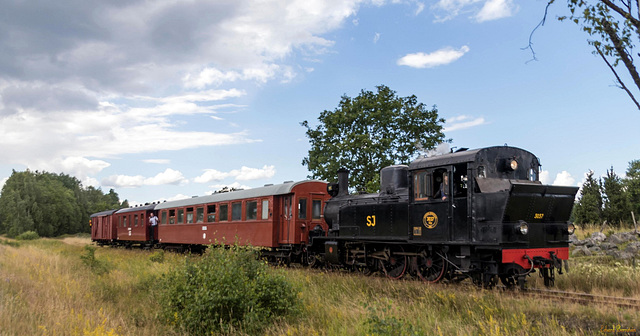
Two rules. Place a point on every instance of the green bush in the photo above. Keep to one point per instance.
(98, 267)
(157, 256)
(28, 235)
(224, 291)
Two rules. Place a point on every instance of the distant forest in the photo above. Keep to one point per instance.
(610, 198)
(50, 204)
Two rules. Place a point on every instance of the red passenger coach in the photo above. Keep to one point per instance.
(273, 216)
(103, 229)
(133, 224)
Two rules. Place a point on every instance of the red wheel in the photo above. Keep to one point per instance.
(396, 265)
(431, 266)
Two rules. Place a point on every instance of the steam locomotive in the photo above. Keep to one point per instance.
(481, 214)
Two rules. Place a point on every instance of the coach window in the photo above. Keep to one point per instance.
(211, 213)
(124, 219)
(316, 209)
(265, 209)
(163, 217)
(135, 220)
(172, 216)
(236, 211)
(180, 216)
(200, 215)
(251, 210)
(224, 212)
(189, 215)
(302, 208)
(422, 185)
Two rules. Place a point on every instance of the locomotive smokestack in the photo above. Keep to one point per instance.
(343, 182)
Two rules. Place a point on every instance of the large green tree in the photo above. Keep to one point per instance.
(369, 132)
(589, 206)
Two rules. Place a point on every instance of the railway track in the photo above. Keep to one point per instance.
(585, 298)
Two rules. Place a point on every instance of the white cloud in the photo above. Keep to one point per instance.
(123, 181)
(496, 9)
(91, 181)
(157, 161)
(436, 58)
(462, 122)
(564, 179)
(247, 173)
(376, 38)
(215, 77)
(120, 83)
(478, 10)
(211, 175)
(242, 174)
(544, 177)
(169, 176)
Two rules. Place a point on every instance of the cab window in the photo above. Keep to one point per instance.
(422, 185)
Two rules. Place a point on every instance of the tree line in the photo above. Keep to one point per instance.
(610, 198)
(50, 204)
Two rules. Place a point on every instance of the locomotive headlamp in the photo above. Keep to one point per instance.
(513, 165)
(571, 228)
(523, 228)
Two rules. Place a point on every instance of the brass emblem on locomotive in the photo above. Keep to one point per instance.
(430, 220)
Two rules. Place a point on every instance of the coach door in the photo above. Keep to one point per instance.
(286, 219)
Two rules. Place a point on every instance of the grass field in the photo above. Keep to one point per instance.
(54, 287)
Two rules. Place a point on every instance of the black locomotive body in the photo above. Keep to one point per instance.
(478, 213)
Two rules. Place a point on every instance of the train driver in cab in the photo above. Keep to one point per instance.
(443, 191)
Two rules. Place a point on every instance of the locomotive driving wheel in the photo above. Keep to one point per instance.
(431, 266)
(395, 266)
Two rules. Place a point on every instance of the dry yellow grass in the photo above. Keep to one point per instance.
(46, 289)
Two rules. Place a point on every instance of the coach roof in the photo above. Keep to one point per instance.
(104, 213)
(278, 189)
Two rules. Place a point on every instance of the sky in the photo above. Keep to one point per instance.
(162, 100)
